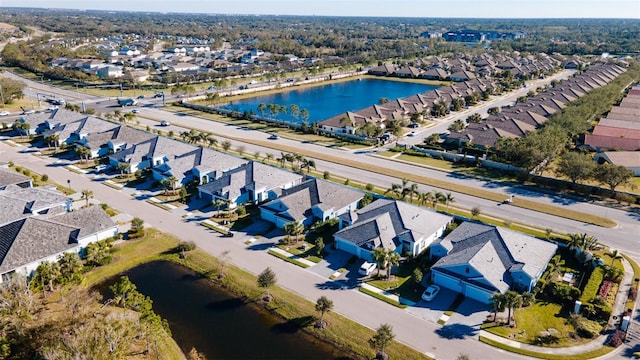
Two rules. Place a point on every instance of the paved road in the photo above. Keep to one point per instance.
(413, 331)
(625, 237)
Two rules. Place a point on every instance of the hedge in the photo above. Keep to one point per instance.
(593, 285)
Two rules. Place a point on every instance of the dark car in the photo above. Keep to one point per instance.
(414, 125)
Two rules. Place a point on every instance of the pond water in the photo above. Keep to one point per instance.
(218, 324)
(325, 101)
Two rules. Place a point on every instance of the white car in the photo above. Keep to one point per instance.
(431, 292)
(27, 112)
(4, 113)
(164, 123)
(367, 268)
(413, 133)
(100, 168)
(274, 137)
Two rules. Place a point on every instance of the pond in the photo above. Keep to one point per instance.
(218, 324)
(325, 101)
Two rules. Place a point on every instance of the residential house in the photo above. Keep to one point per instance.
(628, 159)
(390, 224)
(479, 260)
(113, 140)
(109, 72)
(252, 182)
(313, 200)
(149, 153)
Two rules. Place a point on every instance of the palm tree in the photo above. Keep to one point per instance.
(614, 255)
(262, 109)
(512, 300)
(395, 189)
(268, 157)
(172, 182)
(304, 114)
(426, 198)
(165, 185)
(323, 306)
(87, 194)
(411, 190)
(293, 228)
(309, 163)
(213, 142)
(393, 259)
(439, 197)
(294, 110)
(70, 268)
(218, 203)
(123, 167)
(498, 304)
(379, 255)
(381, 340)
(448, 198)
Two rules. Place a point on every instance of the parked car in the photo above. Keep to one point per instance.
(274, 137)
(100, 168)
(135, 111)
(411, 134)
(4, 113)
(158, 95)
(211, 87)
(431, 292)
(164, 123)
(367, 268)
(141, 97)
(414, 125)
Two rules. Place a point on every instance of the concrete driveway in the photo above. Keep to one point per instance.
(334, 260)
(434, 309)
(470, 314)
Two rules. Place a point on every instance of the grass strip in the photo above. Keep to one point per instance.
(584, 356)
(160, 205)
(382, 297)
(214, 228)
(288, 259)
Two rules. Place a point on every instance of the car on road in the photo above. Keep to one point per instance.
(164, 123)
(274, 137)
(54, 107)
(367, 268)
(158, 95)
(141, 97)
(135, 111)
(412, 134)
(211, 87)
(27, 112)
(431, 292)
(4, 113)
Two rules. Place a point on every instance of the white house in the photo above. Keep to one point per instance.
(390, 224)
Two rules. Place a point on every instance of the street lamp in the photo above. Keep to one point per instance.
(69, 184)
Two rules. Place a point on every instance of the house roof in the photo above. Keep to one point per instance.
(252, 175)
(17, 202)
(85, 125)
(299, 200)
(11, 177)
(625, 133)
(616, 123)
(386, 223)
(89, 220)
(494, 252)
(623, 158)
(611, 142)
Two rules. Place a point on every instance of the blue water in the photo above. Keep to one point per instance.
(326, 101)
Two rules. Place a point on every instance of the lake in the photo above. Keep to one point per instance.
(326, 101)
(218, 324)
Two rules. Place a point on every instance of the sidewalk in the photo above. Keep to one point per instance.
(600, 341)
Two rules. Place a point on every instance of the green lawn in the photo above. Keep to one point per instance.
(534, 319)
(400, 283)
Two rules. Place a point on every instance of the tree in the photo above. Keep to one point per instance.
(576, 166)
(498, 304)
(137, 225)
(395, 189)
(304, 114)
(262, 109)
(123, 167)
(393, 259)
(70, 268)
(86, 195)
(226, 145)
(323, 306)
(379, 255)
(417, 276)
(98, 253)
(266, 280)
(22, 127)
(426, 198)
(46, 275)
(474, 118)
(615, 254)
(612, 175)
(82, 152)
(493, 110)
(457, 125)
(448, 199)
(512, 301)
(194, 354)
(294, 228)
(475, 211)
(381, 340)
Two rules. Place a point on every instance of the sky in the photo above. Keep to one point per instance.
(394, 8)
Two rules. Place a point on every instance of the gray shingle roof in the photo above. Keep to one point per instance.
(299, 200)
(16, 202)
(494, 252)
(89, 220)
(253, 175)
(389, 222)
(11, 177)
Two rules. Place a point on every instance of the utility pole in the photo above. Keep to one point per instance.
(2, 95)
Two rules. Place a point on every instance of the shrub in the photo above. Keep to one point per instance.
(601, 312)
(369, 187)
(241, 211)
(617, 338)
(584, 327)
(44, 178)
(593, 285)
(185, 246)
(563, 292)
(26, 172)
(633, 293)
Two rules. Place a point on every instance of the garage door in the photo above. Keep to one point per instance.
(447, 281)
(347, 246)
(476, 293)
